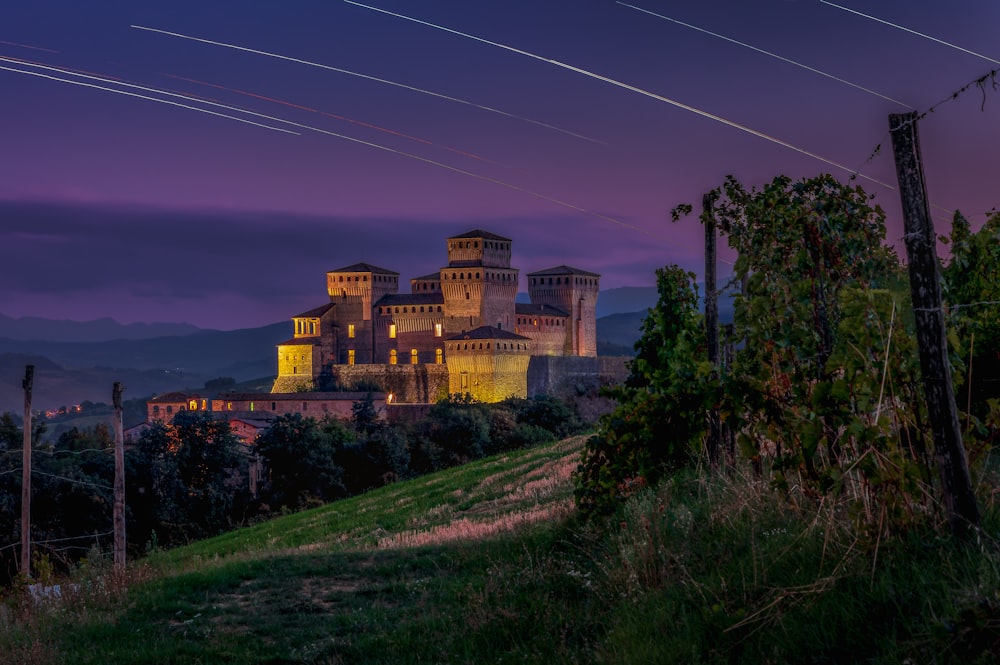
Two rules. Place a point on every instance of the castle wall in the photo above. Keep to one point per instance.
(407, 383)
(566, 375)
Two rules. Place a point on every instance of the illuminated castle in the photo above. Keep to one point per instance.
(459, 330)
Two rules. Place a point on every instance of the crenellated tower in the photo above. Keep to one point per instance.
(478, 284)
(573, 291)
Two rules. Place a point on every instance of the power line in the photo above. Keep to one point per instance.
(72, 480)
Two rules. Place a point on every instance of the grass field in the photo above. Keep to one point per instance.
(488, 563)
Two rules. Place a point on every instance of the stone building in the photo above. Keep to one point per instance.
(459, 330)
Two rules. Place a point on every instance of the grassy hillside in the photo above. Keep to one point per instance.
(487, 564)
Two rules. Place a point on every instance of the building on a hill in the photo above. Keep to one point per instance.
(459, 330)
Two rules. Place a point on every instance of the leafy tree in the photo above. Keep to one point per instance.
(301, 458)
(659, 422)
(971, 285)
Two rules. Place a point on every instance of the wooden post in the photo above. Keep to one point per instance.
(711, 319)
(119, 507)
(29, 379)
(925, 291)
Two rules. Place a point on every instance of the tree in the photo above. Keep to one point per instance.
(971, 285)
(300, 456)
(659, 422)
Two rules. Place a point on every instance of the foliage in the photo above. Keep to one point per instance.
(190, 476)
(971, 286)
(300, 455)
(659, 421)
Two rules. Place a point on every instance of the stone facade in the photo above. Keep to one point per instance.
(419, 339)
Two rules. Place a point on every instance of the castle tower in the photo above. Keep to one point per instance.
(355, 289)
(478, 284)
(574, 292)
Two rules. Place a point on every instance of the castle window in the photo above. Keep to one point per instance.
(350, 356)
(413, 356)
(156, 410)
(305, 406)
(170, 409)
(397, 310)
(437, 329)
(341, 278)
(476, 244)
(274, 406)
(466, 295)
(350, 330)
(392, 331)
(453, 276)
(204, 404)
(295, 370)
(193, 405)
(365, 279)
(229, 406)
(438, 356)
(421, 309)
(439, 308)
(465, 379)
(251, 406)
(392, 356)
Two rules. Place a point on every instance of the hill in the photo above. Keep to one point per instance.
(99, 330)
(486, 563)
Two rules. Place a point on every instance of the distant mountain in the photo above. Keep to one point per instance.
(618, 333)
(56, 386)
(71, 372)
(33, 328)
(626, 299)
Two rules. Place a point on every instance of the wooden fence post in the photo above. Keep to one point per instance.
(29, 378)
(932, 343)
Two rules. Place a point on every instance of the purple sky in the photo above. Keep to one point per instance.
(119, 206)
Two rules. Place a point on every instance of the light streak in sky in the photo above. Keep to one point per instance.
(767, 53)
(632, 88)
(33, 48)
(332, 115)
(131, 94)
(912, 32)
(370, 78)
(298, 125)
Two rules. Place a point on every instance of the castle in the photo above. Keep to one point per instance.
(459, 330)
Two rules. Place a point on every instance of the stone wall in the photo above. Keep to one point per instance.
(567, 375)
(407, 383)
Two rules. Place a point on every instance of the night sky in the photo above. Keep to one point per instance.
(116, 205)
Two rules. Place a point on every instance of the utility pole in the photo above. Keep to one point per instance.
(925, 291)
(29, 379)
(711, 320)
(119, 507)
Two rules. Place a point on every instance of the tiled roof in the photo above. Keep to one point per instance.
(302, 341)
(529, 309)
(176, 396)
(479, 233)
(433, 277)
(365, 267)
(316, 312)
(487, 332)
(562, 270)
(307, 396)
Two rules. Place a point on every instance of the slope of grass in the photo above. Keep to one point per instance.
(487, 564)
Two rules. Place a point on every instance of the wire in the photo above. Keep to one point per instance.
(73, 480)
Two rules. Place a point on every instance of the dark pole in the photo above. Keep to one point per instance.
(29, 378)
(711, 319)
(925, 291)
(119, 507)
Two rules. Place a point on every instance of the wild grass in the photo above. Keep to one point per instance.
(488, 563)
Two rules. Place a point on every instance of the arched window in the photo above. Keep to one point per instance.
(413, 356)
(438, 356)
(392, 356)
